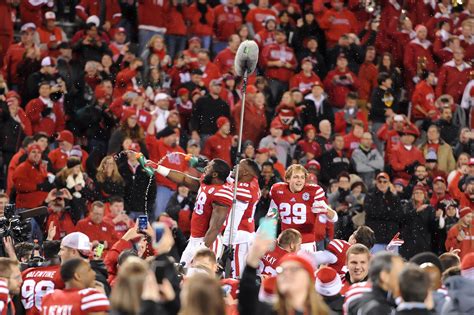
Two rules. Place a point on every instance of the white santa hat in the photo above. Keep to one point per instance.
(328, 282)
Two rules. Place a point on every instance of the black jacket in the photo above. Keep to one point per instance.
(205, 114)
(309, 115)
(11, 133)
(135, 188)
(101, 274)
(332, 165)
(383, 214)
(449, 132)
(379, 103)
(376, 302)
(96, 122)
(416, 230)
(335, 303)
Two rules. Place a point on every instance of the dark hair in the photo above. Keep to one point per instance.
(51, 249)
(68, 268)
(343, 174)
(115, 199)
(39, 135)
(382, 77)
(352, 96)
(449, 260)
(253, 166)
(365, 235)
(125, 254)
(221, 168)
(27, 141)
(268, 163)
(24, 249)
(414, 284)
(452, 271)
(382, 261)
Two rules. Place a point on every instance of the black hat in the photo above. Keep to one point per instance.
(73, 161)
(165, 132)
(196, 71)
(427, 257)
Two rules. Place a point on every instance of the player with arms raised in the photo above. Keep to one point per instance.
(213, 202)
(299, 205)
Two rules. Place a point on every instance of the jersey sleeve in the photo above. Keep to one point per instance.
(243, 193)
(223, 195)
(3, 295)
(338, 248)
(94, 301)
(319, 202)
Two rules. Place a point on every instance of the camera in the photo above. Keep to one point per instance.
(14, 226)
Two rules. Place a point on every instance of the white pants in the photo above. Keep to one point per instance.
(241, 252)
(197, 243)
(309, 247)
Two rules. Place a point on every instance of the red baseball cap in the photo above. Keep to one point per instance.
(65, 135)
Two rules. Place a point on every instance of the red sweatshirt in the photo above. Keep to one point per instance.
(152, 15)
(124, 82)
(97, 232)
(26, 179)
(86, 8)
(424, 97)
(337, 23)
(62, 221)
(158, 149)
(401, 157)
(54, 122)
(228, 20)
(367, 80)
(11, 60)
(453, 79)
(283, 53)
(257, 16)
(217, 146)
(193, 15)
(302, 82)
(225, 60)
(337, 91)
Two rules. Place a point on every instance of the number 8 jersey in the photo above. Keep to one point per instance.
(295, 209)
(207, 195)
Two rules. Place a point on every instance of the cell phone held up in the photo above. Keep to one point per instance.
(142, 223)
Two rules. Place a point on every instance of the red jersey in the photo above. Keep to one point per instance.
(37, 282)
(4, 297)
(248, 195)
(354, 292)
(270, 261)
(208, 195)
(339, 249)
(295, 209)
(74, 302)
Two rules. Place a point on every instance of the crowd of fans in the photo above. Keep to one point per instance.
(356, 138)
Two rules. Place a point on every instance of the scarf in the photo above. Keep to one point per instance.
(202, 8)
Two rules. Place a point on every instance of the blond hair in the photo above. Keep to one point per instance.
(295, 168)
(102, 175)
(128, 287)
(314, 304)
(204, 296)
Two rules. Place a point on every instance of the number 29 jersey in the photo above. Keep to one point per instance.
(295, 209)
(208, 195)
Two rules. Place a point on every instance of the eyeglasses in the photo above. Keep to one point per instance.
(291, 270)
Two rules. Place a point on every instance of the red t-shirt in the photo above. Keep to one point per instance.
(74, 302)
(37, 282)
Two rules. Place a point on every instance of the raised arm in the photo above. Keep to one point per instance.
(179, 177)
